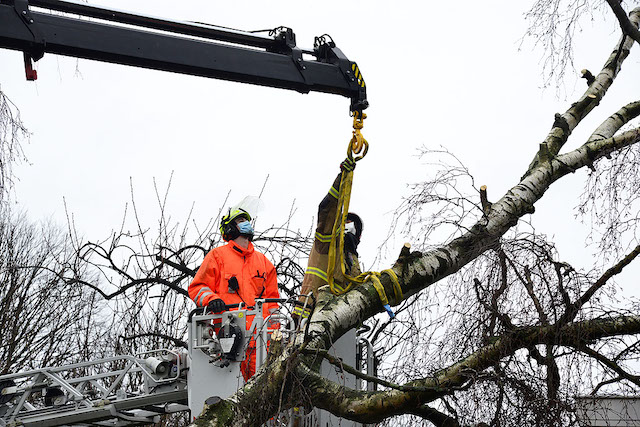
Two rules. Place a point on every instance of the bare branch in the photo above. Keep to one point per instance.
(571, 313)
(628, 28)
(436, 417)
(175, 341)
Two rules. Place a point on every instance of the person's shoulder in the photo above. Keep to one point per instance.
(259, 254)
(219, 250)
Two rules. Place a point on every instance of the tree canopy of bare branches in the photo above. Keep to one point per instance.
(493, 328)
(35, 329)
(12, 134)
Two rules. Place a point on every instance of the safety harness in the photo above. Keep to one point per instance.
(357, 145)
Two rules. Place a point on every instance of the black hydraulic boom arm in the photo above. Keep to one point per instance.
(189, 48)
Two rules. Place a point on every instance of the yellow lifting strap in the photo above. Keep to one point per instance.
(357, 145)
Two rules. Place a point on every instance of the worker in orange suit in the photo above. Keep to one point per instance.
(236, 273)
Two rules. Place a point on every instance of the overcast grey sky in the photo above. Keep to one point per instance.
(451, 74)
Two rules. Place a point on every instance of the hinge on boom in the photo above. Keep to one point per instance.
(286, 39)
(287, 36)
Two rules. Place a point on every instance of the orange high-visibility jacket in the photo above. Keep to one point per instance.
(255, 274)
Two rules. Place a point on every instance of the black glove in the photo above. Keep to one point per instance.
(348, 165)
(217, 305)
(351, 244)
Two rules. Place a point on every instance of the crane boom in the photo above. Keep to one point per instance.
(181, 47)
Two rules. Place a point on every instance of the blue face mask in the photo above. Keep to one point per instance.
(245, 228)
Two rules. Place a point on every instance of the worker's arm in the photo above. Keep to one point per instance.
(316, 273)
(202, 289)
(327, 217)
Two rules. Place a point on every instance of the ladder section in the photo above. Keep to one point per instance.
(121, 390)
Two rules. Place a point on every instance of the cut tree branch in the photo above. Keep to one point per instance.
(564, 124)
